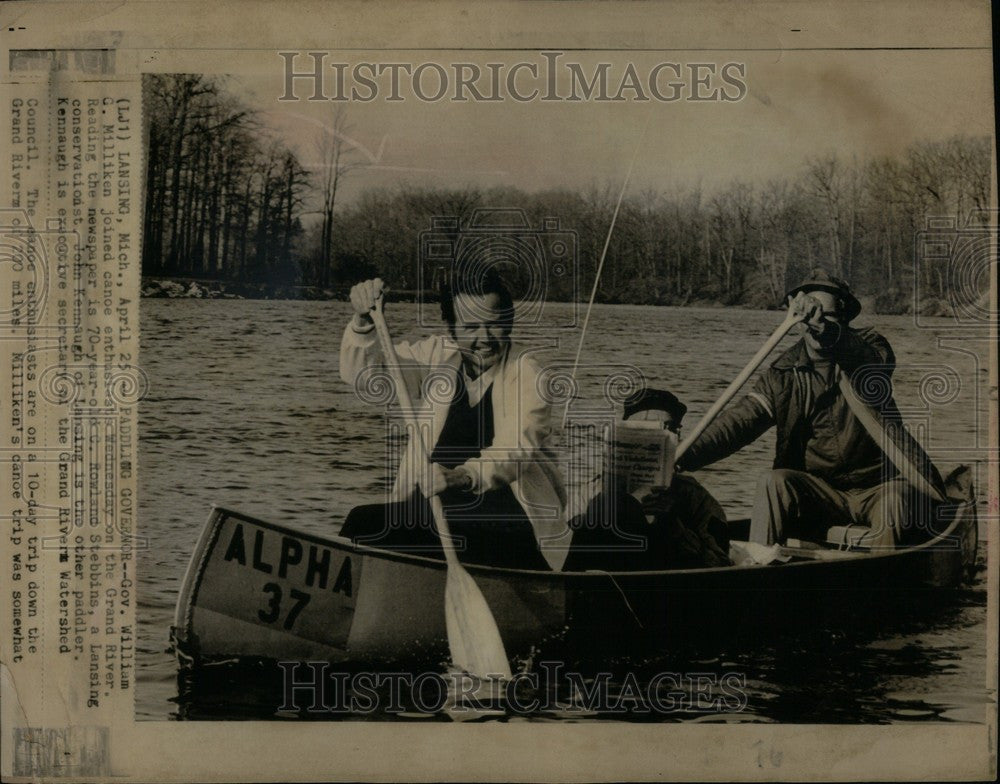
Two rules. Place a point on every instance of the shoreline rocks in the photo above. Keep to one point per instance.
(187, 288)
(892, 302)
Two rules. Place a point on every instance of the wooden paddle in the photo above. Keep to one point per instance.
(867, 418)
(473, 636)
(927, 483)
(790, 321)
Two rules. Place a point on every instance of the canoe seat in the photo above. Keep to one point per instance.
(848, 537)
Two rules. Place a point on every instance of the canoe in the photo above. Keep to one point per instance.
(258, 590)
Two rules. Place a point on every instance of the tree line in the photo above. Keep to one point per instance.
(227, 201)
(223, 198)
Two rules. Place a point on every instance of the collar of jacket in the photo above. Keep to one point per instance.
(796, 357)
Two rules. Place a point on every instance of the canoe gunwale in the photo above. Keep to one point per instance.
(211, 531)
(191, 583)
(568, 584)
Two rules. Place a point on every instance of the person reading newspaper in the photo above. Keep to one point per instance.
(631, 526)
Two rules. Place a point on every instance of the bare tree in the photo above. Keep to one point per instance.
(336, 158)
(825, 177)
(218, 193)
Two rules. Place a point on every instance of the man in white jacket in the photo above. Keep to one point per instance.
(490, 432)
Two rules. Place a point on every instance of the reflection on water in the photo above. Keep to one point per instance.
(246, 410)
(921, 663)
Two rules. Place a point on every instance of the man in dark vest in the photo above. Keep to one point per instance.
(830, 467)
(492, 461)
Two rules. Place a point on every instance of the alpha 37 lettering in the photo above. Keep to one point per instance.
(292, 559)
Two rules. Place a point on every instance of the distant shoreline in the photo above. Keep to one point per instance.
(154, 287)
(204, 288)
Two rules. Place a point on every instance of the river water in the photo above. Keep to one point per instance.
(245, 410)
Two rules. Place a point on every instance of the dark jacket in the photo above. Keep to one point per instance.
(615, 533)
(814, 423)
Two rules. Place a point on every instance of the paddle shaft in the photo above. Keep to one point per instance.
(738, 382)
(877, 430)
(870, 422)
(473, 634)
(406, 404)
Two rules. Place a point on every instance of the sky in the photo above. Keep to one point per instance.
(798, 104)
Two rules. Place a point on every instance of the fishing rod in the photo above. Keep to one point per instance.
(600, 268)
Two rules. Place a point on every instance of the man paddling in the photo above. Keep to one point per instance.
(492, 462)
(831, 465)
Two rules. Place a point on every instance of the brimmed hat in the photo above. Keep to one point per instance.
(847, 304)
(647, 399)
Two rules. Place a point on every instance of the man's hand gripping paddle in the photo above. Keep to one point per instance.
(794, 316)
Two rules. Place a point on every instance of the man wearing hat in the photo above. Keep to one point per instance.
(682, 527)
(831, 464)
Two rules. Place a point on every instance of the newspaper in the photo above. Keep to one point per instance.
(641, 455)
(162, 158)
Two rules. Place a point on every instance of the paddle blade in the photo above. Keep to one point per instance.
(473, 636)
